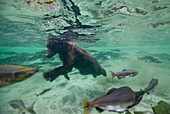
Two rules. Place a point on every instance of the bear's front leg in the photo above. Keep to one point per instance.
(50, 75)
(53, 74)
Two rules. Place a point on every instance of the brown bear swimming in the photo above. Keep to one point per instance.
(71, 56)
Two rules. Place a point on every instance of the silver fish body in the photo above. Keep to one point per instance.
(124, 74)
(116, 100)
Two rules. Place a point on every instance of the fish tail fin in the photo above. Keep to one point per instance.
(30, 108)
(113, 74)
(151, 86)
(87, 108)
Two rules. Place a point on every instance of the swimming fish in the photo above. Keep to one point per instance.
(19, 104)
(124, 74)
(118, 99)
(43, 92)
(10, 74)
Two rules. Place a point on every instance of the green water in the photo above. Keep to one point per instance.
(125, 30)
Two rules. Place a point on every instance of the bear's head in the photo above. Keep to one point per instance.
(58, 44)
(52, 49)
(60, 47)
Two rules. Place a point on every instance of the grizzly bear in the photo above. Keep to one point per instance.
(71, 56)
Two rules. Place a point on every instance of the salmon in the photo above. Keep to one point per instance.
(10, 74)
(124, 74)
(118, 99)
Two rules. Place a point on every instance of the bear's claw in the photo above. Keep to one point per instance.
(49, 76)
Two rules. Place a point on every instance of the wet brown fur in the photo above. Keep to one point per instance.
(71, 56)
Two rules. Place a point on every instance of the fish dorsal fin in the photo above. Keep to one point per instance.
(95, 99)
(124, 69)
(110, 90)
(30, 108)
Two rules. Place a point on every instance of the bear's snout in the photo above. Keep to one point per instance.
(49, 53)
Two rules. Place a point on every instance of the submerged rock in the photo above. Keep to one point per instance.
(161, 108)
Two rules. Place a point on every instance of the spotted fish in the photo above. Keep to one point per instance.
(10, 74)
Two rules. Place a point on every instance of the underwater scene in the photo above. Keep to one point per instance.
(84, 56)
